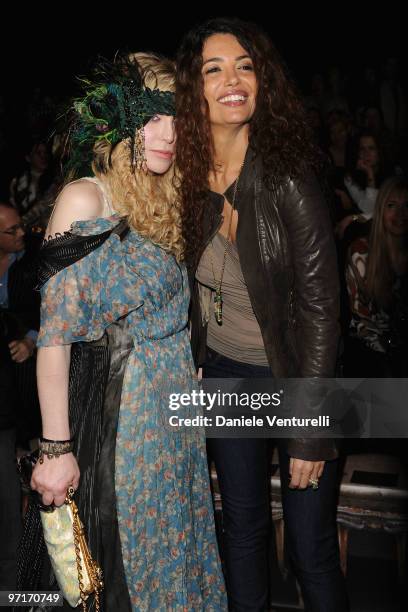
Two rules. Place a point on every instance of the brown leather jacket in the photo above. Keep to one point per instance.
(288, 258)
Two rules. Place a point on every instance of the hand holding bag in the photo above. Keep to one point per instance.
(77, 574)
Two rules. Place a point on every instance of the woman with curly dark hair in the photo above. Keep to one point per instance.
(259, 242)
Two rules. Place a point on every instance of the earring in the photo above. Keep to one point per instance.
(139, 155)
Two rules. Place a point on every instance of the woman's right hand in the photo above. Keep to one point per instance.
(52, 478)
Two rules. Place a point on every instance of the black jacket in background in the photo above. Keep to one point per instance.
(18, 392)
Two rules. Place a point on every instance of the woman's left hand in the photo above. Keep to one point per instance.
(302, 472)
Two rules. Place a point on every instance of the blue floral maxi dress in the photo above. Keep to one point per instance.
(161, 486)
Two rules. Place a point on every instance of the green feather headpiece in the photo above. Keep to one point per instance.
(115, 104)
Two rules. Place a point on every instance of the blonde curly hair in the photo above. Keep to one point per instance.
(148, 201)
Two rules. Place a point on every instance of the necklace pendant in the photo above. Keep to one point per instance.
(218, 306)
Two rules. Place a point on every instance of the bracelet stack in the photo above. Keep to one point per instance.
(54, 448)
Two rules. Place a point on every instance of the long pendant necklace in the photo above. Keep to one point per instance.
(218, 301)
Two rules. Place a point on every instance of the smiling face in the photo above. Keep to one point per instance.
(230, 83)
(160, 141)
(396, 214)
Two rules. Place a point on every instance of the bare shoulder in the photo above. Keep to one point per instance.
(78, 201)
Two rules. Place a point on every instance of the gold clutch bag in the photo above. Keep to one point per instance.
(77, 574)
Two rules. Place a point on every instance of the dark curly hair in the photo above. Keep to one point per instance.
(279, 130)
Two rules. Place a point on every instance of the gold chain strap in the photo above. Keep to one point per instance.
(79, 565)
(95, 574)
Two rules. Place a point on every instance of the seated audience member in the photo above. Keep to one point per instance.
(339, 130)
(33, 190)
(372, 120)
(376, 276)
(367, 169)
(339, 133)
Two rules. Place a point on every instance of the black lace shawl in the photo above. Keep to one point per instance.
(65, 249)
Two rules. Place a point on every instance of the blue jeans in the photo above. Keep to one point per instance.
(242, 466)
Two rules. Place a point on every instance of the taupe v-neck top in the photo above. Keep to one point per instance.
(239, 337)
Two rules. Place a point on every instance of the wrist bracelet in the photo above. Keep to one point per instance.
(54, 449)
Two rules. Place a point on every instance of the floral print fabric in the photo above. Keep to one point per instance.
(164, 502)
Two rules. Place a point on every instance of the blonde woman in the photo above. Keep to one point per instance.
(114, 343)
(377, 283)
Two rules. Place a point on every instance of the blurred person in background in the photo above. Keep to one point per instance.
(33, 189)
(19, 322)
(377, 284)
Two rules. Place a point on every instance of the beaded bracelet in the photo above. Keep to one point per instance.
(54, 448)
